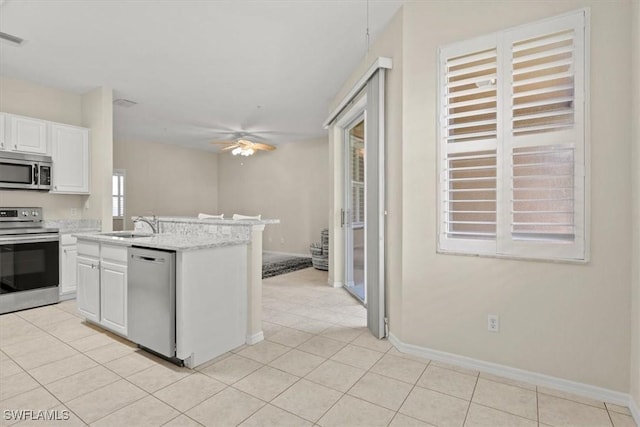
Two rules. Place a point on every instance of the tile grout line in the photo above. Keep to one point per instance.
(410, 391)
(609, 415)
(322, 385)
(537, 406)
(471, 399)
(99, 364)
(44, 386)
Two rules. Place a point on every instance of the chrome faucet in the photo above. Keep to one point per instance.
(153, 223)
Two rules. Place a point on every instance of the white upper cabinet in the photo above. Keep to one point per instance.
(70, 153)
(25, 134)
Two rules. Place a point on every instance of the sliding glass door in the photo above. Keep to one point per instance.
(354, 213)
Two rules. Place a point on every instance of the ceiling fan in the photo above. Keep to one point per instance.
(241, 144)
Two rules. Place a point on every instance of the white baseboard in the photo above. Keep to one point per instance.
(255, 338)
(67, 296)
(635, 410)
(581, 389)
(288, 254)
(336, 284)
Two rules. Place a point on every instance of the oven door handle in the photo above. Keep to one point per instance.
(30, 239)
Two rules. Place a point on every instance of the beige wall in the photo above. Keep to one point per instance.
(32, 100)
(290, 183)
(97, 114)
(635, 284)
(566, 320)
(166, 180)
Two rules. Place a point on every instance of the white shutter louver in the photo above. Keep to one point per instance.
(357, 181)
(469, 128)
(543, 139)
(471, 98)
(512, 142)
(543, 86)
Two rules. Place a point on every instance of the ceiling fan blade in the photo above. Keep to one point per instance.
(261, 146)
(223, 142)
(230, 147)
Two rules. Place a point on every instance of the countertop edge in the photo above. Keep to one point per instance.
(168, 245)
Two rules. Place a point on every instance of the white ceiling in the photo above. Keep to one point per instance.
(196, 68)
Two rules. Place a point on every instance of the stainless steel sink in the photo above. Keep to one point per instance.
(127, 234)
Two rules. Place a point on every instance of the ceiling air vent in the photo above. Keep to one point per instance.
(11, 38)
(125, 103)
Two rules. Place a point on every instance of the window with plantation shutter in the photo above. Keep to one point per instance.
(117, 194)
(512, 142)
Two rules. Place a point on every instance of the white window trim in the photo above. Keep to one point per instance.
(490, 248)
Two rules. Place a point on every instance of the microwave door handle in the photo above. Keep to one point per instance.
(35, 173)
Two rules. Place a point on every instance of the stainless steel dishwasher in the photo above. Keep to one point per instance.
(152, 300)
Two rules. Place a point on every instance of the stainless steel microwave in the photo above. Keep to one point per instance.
(20, 171)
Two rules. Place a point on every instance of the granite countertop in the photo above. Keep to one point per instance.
(170, 241)
(217, 221)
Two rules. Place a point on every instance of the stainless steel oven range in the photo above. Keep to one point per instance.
(29, 263)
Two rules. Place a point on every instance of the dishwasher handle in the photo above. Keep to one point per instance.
(148, 259)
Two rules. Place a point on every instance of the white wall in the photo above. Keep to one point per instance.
(92, 110)
(635, 284)
(290, 184)
(566, 320)
(166, 180)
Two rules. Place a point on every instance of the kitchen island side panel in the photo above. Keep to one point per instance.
(211, 302)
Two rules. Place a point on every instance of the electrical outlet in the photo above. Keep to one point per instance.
(493, 323)
(74, 212)
(282, 240)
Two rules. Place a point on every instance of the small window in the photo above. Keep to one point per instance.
(118, 194)
(512, 142)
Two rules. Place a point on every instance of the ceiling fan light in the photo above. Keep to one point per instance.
(236, 151)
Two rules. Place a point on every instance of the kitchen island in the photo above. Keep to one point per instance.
(217, 282)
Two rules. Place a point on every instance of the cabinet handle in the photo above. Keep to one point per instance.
(15, 146)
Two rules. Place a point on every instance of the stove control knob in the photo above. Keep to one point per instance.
(34, 213)
(25, 213)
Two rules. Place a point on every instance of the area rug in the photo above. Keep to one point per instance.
(277, 264)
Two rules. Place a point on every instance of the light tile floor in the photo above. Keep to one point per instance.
(317, 366)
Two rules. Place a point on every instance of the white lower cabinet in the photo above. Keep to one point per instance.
(102, 284)
(113, 296)
(68, 259)
(88, 293)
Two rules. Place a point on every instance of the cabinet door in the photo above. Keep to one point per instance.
(27, 135)
(70, 153)
(68, 259)
(88, 294)
(113, 297)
